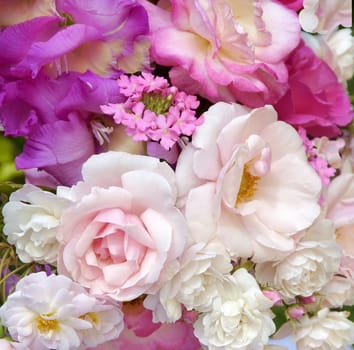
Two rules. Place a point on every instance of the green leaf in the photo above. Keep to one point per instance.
(280, 316)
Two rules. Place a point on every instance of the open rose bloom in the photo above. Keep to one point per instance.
(176, 175)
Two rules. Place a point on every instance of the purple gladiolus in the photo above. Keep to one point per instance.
(54, 115)
(84, 35)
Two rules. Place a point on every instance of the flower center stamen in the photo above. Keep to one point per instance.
(68, 20)
(46, 326)
(248, 186)
(157, 103)
(91, 317)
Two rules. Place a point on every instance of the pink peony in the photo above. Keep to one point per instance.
(245, 178)
(225, 50)
(316, 100)
(140, 332)
(293, 4)
(123, 229)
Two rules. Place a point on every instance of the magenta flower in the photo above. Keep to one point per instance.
(316, 100)
(141, 333)
(97, 35)
(225, 50)
(54, 116)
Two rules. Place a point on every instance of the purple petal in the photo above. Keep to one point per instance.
(18, 38)
(60, 148)
(105, 15)
(61, 43)
(88, 92)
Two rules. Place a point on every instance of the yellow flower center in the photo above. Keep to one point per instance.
(46, 326)
(91, 317)
(248, 186)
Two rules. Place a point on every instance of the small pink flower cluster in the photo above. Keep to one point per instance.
(154, 110)
(318, 163)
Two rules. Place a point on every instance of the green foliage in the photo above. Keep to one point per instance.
(280, 316)
(9, 149)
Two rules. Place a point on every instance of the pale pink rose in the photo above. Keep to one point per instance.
(5, 345)
(320, 106)
(123, 228)
(339, 204)
(245, 178)
(225, 50)
(140, 333)
(322, 16)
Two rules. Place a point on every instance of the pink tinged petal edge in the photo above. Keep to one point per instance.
(285, 32)
(106, 169)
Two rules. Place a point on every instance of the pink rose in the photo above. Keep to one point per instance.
(225, 50)
(123, 228)
(316, 100)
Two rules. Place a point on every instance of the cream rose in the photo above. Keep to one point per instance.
(32, 217)
(326, 331)
(309, 268)
(240, 317)
(123, 229)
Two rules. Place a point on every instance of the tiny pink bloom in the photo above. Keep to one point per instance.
(274, 296)
(307, 300)
(296, 312)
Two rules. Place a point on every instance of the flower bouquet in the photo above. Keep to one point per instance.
(176, 175)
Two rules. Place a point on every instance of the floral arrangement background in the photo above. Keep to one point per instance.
(176, 175)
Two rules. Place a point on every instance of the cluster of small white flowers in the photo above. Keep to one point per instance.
(31, 218)
(309, 268)
(328, 330)
(240, 317)
(65, 317)
(194, 285)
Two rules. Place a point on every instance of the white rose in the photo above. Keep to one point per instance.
(53, 312)
(240, 317)
(328, 330)
(309, 267)
(31, 218)
(194, 285)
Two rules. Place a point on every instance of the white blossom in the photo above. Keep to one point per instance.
(31, 218)
(194, 285)
(328, 330)
(240, 317)
(309, 268)
(53, 312)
